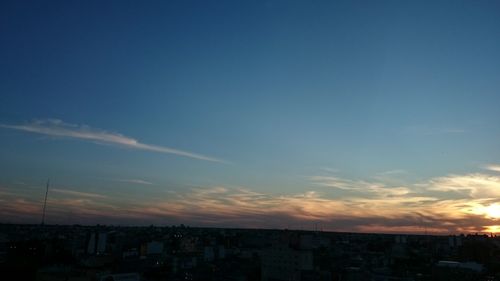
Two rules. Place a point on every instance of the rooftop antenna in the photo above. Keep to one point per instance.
(45, 202)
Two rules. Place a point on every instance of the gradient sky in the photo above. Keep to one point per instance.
(352, 115)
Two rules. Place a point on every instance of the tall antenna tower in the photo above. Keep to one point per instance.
(45, 202)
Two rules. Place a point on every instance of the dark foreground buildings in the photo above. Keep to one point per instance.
(110, 253)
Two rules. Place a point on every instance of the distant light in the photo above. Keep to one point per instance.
(493, 211)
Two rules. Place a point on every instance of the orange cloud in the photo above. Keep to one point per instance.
(363, 206)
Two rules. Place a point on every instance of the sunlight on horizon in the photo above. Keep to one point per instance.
(493, 211)
(493, 229)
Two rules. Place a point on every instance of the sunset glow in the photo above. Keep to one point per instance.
(492, 229)
(381, 116)
(493, 211)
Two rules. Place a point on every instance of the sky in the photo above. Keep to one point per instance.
(362, 116)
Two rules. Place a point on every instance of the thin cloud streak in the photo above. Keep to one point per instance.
(493, 168)
(58, 128)
(392, 172)
(77, 193)
(475, 186)
(135, 181)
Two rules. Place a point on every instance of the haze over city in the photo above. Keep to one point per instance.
(352, 116)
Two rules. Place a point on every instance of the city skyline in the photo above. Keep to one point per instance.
(351, 116)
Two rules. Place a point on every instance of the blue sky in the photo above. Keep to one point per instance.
(139, 101)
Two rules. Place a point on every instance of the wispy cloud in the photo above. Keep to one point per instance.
(135, 181)
(362, 205)
(365, 188)
(492, 167)
(401, 212)
(77, 193)
(58, 128)
(476, 185)
(392, 172)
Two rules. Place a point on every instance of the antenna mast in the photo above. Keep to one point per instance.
(45, 202)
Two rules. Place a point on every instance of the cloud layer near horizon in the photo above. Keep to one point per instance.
(58, 128)
(441, 205)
